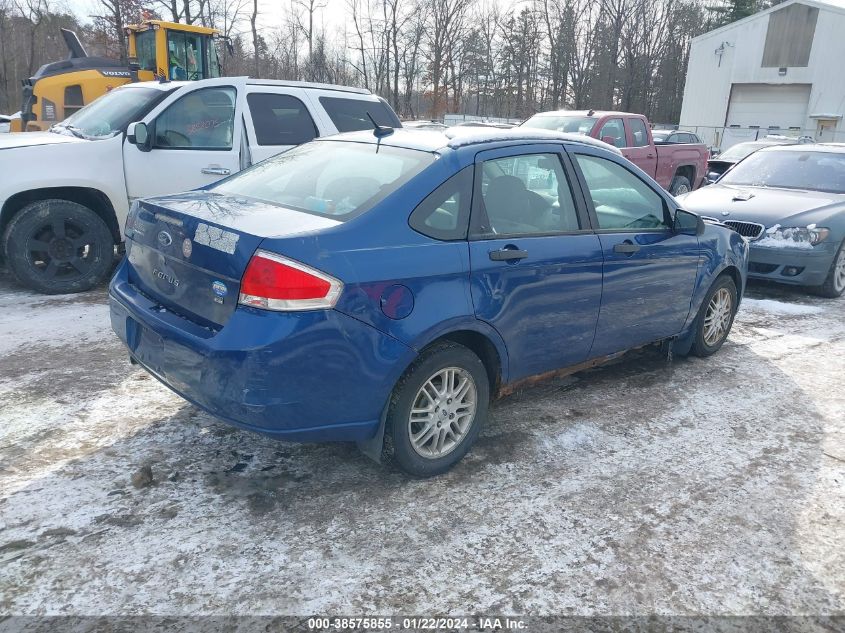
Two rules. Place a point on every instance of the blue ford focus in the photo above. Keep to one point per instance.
(383, 287)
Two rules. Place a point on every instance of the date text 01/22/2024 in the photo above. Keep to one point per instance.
(417, 623)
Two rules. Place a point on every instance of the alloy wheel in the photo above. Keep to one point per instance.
(839, 271)
(442, 413)
(718, 317)
(61, 249)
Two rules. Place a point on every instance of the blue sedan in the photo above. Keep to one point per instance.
(383, 287)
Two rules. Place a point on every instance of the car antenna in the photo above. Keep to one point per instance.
(591, 113)
(379, 130)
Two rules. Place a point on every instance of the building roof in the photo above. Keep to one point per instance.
(829, 5)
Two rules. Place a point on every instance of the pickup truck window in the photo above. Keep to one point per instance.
(574, 124)
(614, 129)
(621, 199)
(639, 133)
(280, 119)
(202, 119)
(350, 115)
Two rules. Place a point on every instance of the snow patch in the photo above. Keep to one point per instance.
(45, 323)
(779, 307)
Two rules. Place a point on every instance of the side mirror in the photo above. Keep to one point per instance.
(609, 140)
(138, 134)
(687, 223)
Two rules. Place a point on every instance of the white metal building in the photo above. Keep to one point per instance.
(780, 71)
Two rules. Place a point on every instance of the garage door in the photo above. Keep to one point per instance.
(768, 106)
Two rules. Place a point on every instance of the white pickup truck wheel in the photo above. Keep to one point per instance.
(58, 247)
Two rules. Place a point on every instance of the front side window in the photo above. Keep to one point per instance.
(789, 169)
(329, 178)
(202, 119)
(613, 132)
(280, 119)
(527, 194)
(639, 133)
(444, 214)
(350, 115)
(621, 200)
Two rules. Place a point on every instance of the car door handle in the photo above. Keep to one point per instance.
(216, 171)
(628, 248)
(507, 254)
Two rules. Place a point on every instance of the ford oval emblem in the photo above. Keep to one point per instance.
(164, 238)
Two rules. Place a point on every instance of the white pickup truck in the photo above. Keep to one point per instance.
(65, 193)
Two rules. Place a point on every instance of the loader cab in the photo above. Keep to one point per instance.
(176, 52)
(157, 50)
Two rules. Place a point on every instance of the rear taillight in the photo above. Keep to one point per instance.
(274, 282)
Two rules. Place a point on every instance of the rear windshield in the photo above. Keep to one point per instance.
(335, 179)
(567, 123)
(814, 171)
(740, 151)
(350, 115)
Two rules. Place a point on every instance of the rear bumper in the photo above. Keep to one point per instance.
(802, 267)
(306, 376)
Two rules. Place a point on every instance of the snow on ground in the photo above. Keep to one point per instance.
(711, 486)
(780, 307)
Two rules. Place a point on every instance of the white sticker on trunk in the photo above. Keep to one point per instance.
(216, 238)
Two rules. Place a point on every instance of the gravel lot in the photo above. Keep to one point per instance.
(646, 486)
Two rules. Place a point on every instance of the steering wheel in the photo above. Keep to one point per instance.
(174, 139)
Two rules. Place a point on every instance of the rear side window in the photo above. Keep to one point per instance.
(639, 134)
(350, 115)
(527, 194)
(280, 119)
(444, 214)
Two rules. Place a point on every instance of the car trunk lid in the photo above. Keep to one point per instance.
(189, 252)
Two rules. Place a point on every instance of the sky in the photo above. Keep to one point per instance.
(270, 12)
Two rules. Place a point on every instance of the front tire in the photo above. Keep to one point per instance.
(437, 409)
(834, 284)
(680, 185)
(58, 247)
(715, 317)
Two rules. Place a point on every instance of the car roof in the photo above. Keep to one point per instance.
(455, 138)
(593, 113)
(169, 85)
(829, 148)
(307, 84)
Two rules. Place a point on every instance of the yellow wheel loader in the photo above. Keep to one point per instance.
(157, 50)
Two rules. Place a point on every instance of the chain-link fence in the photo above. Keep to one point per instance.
(724, 137)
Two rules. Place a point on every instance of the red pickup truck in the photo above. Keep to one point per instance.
(678, 167)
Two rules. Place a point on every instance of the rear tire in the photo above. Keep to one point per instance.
(437, 410)
(680, 185)
(834, 284)
(58, 247)
(715, 317)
